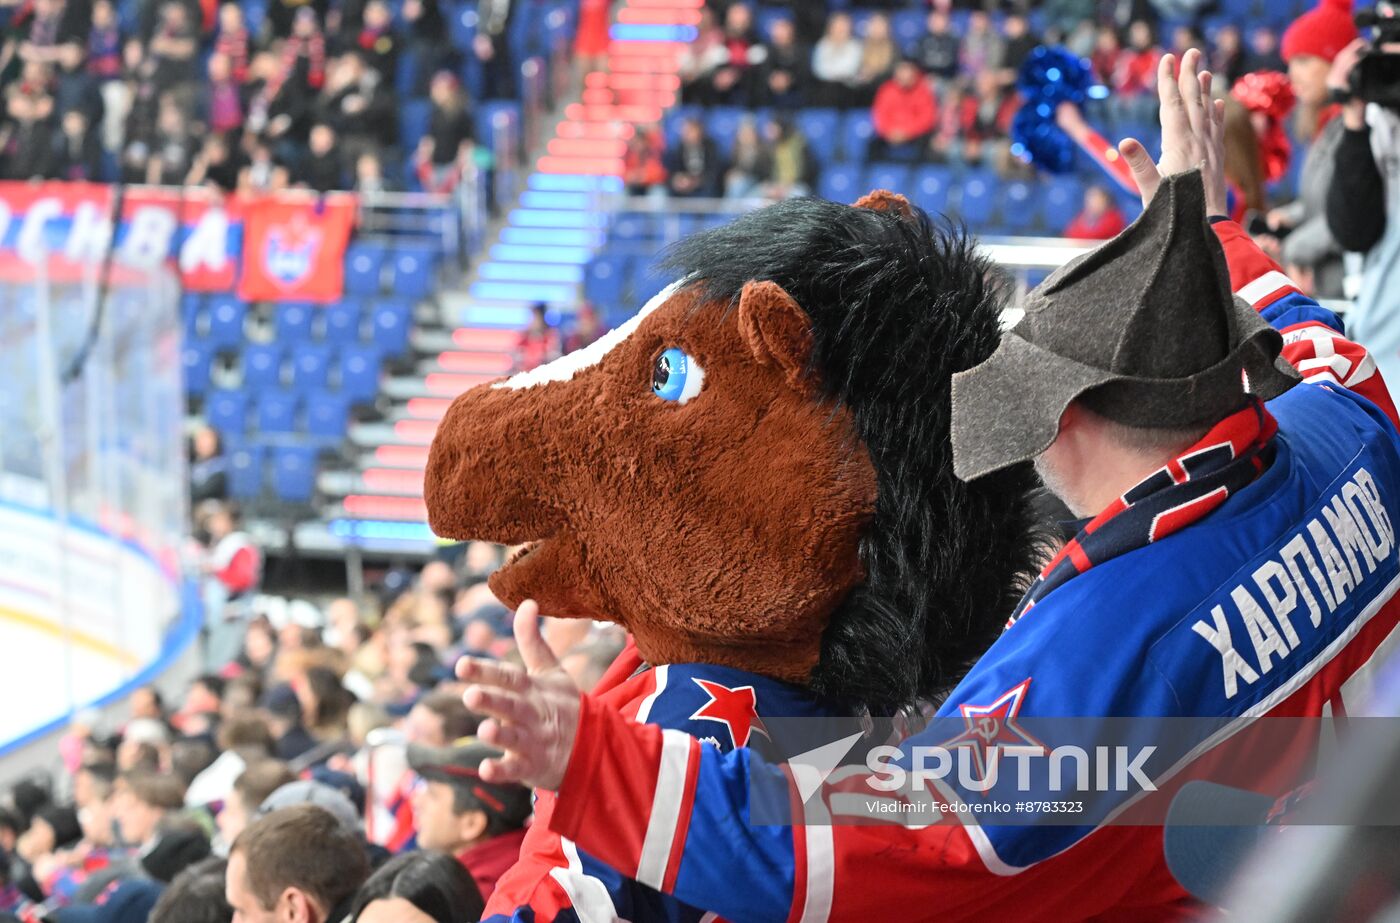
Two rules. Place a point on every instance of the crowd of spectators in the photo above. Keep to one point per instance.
(187, 92)
(326, 771)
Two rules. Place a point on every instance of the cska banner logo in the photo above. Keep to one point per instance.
(296, 250)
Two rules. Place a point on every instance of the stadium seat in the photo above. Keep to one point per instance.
(327, 415)
(722, 124)
(1020, 206)
(413, 271)
(196, 358)
(1060, 202)
(891, 176)
(907, 27)
(929, 188)
(245, 472)
(413, 121)
(226, 316)
(491, 114)
(294, 473)
(390, 322)
(277, 412)
(262, 366)
(838, 183)
(364, 268)
(292, 321)
(978, 199)
(821, 128)
(191, 311)
(310, 366)
(855, 135)
(604, 280)
(341, 322)
(359, 373)
(226, 411)
(461, 26)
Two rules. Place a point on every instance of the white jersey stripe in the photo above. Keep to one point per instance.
(1265, 285)
(665, 808)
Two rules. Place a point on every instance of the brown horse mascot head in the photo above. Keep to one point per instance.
(755, 471)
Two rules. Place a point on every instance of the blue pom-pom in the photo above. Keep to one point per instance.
(1050, 76)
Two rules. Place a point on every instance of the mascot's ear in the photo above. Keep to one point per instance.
(882, 200)
(777, 330)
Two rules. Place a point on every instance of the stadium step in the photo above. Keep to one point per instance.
(526, 272)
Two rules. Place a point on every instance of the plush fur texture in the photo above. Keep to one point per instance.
(799, 517)
(897, 306)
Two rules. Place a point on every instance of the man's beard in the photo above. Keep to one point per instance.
(1057, 485)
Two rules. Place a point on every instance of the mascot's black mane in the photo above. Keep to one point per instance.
(898, 304)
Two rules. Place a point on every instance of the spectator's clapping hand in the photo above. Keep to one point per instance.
(533, 712)
(1193, 133)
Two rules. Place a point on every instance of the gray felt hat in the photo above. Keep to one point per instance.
(1143, 329)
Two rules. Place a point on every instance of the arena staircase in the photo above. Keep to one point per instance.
(539, 255)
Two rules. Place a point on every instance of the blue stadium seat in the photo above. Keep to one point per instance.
(196, 358)
(341, 322)
(226, 316)
(310, 366)
(262, 366)
(227, 412)
(489, 114)
(767, 16)
(245, 472)
(722, 124)
(978, 199)
(364, 266)
(359, 373)
(327, 415)
(855, 135)
(632, 226)
(191, 310)
(292, 321)
(929, 188)
(390, 323)
(891, 176)
(277, 412)
(413, 121)
(821, 128)
(1061, 201)
(294, 473)
(413, 271)
(461, 26)
(1020, 206)
(603, 281)
(839, 183)
(907, 27)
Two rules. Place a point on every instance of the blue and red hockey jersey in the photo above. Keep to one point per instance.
(1278, 603)
(709, 707)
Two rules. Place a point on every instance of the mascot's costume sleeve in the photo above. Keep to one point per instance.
(754, 477)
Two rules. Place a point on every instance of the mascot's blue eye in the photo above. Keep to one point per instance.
(676, 376)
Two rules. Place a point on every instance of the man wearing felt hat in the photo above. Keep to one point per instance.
(1237, 462)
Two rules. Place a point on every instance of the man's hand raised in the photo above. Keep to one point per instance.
(1193, 133)
(533, 712)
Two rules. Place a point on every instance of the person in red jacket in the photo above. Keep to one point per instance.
(905, 114)
(1099, 220)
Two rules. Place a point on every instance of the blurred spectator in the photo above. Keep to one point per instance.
(750, 163)
(956, 135)
(444, 152)
(784, 77)
(794, 168)
(296, 865)
(904, 115)
(358, 107)
(104, 43)
(77, 155)
(233, 571)
(233, 41)
(196, 895)
(304, 52)
(429, 41)
(586, 329)
(147, 705)
(1018, 44)
(878, 57)
(642, 164)
(836, 62)
(417, 887)
(321, 170)
(244, 740)
(693, 167)
(939, 51)
(256, 783)
(982, 46)
(1067, 15)
(225, 102)
(457, 812)
(208, 467)
(491, 49)
(216, 164)
(277, 112)
(731, 83)
(173, 46)
(281, 15)
(262, 172)
(1099, 219)
(1228, 58)
(1108, 56)
(701, 59)
(538, 342)
(377, 42)
(369, 174)
(1137, 71)
(171, 147)
(26, 141)
(1263, 51)
(282, 711)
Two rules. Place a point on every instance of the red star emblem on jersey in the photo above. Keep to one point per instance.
(993, 726)
(734, 708)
